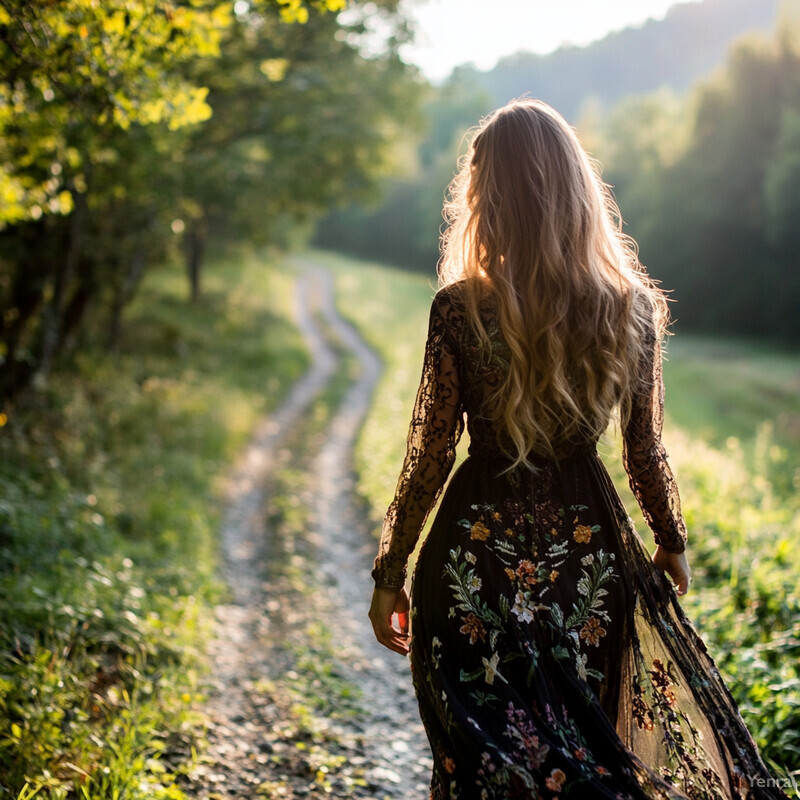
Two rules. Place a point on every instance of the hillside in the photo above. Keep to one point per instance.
(676, 51)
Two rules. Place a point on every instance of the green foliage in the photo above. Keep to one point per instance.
(713, 203)
(403, 228)
(782, 186)
(111, 499)
(74, 70)
(128, 129)
(725, 402)
(302, 122)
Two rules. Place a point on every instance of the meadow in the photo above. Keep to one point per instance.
(732, 430)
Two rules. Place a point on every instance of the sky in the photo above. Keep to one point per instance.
(451, 32)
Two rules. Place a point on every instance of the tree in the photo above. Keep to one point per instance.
(106, 139)
(403, 229)
(302, 121)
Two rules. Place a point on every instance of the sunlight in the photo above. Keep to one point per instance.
(452, 32)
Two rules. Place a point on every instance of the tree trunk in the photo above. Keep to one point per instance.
(25, 299)
(195, 245)
(52, 317)
(123, 295)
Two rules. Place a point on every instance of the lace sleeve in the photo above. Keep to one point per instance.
(645, 458)
(436, 427)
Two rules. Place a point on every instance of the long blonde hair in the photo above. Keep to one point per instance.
(532, 225)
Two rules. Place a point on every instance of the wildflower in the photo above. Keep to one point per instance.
(474, 583)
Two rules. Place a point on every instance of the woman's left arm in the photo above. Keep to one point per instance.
(435, 429)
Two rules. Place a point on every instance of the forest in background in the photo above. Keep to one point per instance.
(708, 179)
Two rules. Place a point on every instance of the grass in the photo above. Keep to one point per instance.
(733, 434)
(111, 498)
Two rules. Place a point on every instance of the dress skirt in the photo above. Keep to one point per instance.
(551, 658)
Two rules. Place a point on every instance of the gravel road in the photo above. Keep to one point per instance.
(382, 752)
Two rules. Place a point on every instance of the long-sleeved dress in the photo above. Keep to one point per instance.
(549, 656)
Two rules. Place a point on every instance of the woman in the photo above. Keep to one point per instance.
(549, 653)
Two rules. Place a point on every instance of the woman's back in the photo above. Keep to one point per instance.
(484, 366)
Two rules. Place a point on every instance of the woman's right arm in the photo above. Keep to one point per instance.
(649, 472)
(645, 458)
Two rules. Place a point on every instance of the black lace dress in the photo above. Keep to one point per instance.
(548, 654)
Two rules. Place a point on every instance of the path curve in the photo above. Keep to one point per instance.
(348, 550)
(390, 735)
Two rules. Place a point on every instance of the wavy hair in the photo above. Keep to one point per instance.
(532, 225)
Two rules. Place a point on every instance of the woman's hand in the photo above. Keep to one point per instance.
(386, 603)
(676, 566)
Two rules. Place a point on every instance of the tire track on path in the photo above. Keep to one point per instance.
(386, 743)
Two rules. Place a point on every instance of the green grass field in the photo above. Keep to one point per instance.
(733, 434)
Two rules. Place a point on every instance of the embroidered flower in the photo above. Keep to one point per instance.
(473, 628)
(582, 534)
(580, 665)
(526, 572)
(587, 560)
(580, 753)
(490, 666)
(553, 576)
(470, 557)
(642, 714)
(592, 631)
(479, 532)
(474, 583)
(555, 780)
(521, 609)
(449, 765)
(662, 681)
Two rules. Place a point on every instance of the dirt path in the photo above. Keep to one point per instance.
(259, 743)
